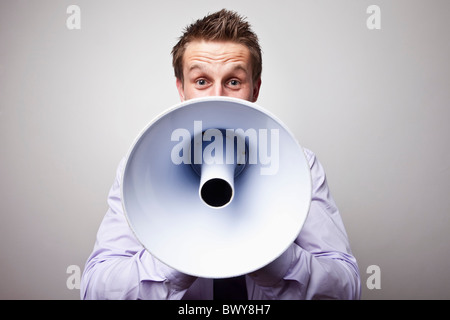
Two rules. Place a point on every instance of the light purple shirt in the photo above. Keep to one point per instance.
(318, 265)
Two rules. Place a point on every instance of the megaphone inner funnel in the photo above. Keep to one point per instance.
(216, 192)
(218, 163)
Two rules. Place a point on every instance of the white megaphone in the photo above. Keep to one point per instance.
(216, 187)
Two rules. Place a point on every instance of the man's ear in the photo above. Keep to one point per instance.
(180, 89)
(256, 88)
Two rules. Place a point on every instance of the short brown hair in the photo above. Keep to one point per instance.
(223, 25)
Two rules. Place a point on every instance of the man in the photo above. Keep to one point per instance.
(219, 55)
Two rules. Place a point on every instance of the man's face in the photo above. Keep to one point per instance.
(213, 68)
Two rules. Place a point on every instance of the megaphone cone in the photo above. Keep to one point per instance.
(216, 187)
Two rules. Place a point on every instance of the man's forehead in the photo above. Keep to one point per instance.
(215, 52)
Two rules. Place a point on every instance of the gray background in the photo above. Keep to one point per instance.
(372, 104)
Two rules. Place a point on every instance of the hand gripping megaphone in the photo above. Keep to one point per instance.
(216, 187)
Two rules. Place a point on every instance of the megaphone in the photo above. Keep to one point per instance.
(216, 187)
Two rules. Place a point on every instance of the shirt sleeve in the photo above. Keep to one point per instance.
(320, 263)
(120, 267)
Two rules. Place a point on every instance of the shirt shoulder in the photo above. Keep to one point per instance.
(310, 156)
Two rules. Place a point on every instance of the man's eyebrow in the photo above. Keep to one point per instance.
(236, 67)
(196, 66)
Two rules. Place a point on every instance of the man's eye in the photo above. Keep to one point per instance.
(201, 82)
(234, 82)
